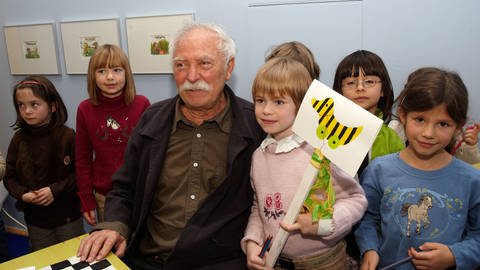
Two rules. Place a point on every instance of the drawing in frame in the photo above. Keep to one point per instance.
(81, 38)
(148, 41)
(31, 49)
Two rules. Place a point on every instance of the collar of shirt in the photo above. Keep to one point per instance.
(284, 145)
(220, 119)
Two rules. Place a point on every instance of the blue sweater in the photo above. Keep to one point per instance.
(445, 203)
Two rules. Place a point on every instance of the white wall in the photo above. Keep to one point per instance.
(407, 34)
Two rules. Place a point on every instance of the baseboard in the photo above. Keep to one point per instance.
(15, 230)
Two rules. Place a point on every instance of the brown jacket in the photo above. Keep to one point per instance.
(40, 157)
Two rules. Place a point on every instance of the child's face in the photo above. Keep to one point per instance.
(110, 81)
(275, 115)
(428, 132)
(33, 110)
(365, 91)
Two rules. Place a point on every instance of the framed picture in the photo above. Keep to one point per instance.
(148, 41)
(31, 49)
(80, 39)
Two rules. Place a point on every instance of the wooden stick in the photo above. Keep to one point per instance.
(300, 195)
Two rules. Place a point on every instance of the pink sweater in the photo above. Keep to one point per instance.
(275, 178)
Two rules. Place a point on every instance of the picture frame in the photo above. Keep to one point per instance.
(81, 38)
(31, 49)
(148, 41)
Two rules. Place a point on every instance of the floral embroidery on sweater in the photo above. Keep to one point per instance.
(273, 206)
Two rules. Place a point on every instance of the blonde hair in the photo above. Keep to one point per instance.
(297, 51)
(110, 56)
(282, 76)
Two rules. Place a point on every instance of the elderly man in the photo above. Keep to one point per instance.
(182, 198)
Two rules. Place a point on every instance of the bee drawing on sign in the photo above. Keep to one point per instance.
(329, 128)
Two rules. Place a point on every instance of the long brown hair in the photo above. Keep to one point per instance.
(109, 56)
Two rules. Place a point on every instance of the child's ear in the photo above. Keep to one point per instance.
(54, 108)
(401, 115)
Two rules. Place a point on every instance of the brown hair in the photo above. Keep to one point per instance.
(42, 88)
(297, 51)
(282, 76)
(109, 56)
(372, 65)
(429, 87)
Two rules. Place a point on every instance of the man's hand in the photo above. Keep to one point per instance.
(98, 244)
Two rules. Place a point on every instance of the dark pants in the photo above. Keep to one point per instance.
(4, 255)
(141, 262)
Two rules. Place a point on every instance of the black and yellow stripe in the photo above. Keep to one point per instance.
(328, 126)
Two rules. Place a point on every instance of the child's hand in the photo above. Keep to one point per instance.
(253, 261)
(90, 217)
(43, 196)
(306, 226)
(28, 197)
(470, 136)
(370, 260)
(432, 256)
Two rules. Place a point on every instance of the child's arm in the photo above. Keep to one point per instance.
(466, 250)
(253, 238)
(253, 260)
(2, 166)
(68, 184)
(349, 207)
(254, 229)
(306, 226)
(11, 182)
(43, 196)
(432, 256)
(90, 217)
(470, 136)
(468, 149)
(28, 197)
(370, 260)
(366, 233)
(84, 162)
(350, 204)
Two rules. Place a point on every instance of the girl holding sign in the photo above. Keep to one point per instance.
(277, 169)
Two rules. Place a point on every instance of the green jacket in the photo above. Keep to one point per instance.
(387, 142)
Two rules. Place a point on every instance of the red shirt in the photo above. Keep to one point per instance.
(102, 134)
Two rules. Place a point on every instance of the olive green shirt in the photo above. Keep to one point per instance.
(195, 165)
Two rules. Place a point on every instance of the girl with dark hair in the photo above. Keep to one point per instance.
(363, 78)
(423, 204)
(40, 161)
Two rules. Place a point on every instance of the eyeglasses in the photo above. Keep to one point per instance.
(355, 83)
